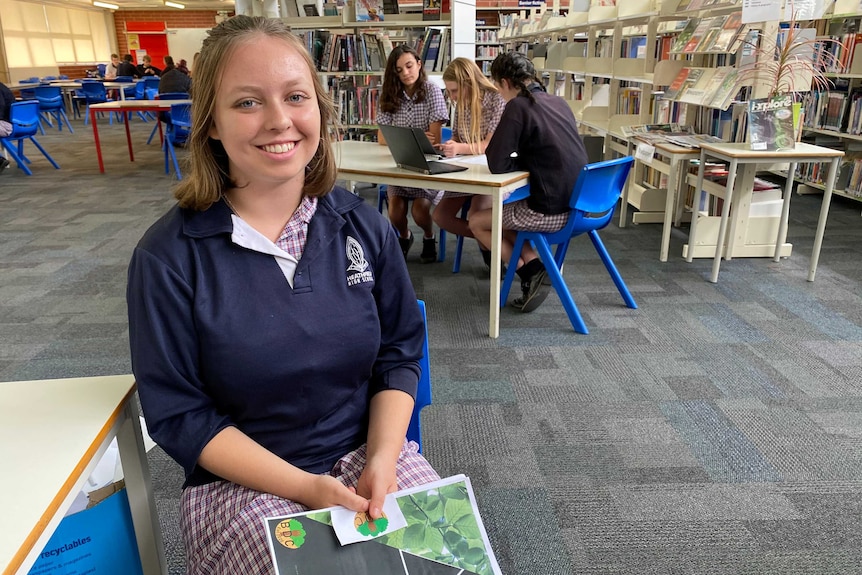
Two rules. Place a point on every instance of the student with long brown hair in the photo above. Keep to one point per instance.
(409, 99)
(478, 107)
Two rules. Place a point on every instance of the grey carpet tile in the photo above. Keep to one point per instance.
(717, 429)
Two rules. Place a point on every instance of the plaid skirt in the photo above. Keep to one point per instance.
(222, 522)
(519, 216)
(412, 193)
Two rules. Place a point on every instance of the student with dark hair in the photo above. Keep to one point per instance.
(126, 68)
(409, 99)
(244, 373)
(172, 80)
(537, 133)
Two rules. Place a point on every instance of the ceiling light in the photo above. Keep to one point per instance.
(174, 5)
(106, 5)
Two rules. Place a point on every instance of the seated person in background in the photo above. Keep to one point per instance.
(538, 134)
(126, 68)
(478, 107)
(112, 67)
(183, 67)
(172, 80)
(7, 98)
(239, 361)
(147, 69)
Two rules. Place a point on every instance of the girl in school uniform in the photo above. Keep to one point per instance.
(241, 374)
(409, 99)
(478, 107)
(538, 134)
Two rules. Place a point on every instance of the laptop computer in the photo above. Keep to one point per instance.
(413, 151)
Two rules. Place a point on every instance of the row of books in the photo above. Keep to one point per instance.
(689, 5)
(839, 54)
(356, 100)
(361, 52)
(716, 34)
(828, 110)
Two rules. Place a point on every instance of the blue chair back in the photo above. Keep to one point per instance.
(101, 68)
(31, 80)
(124, 79)
(174, 96)
(94, 92)
(140, 91)
(24, 117)
(49, 78)
(49, 97)
(423, 392)
(63, 77)
(151, 82)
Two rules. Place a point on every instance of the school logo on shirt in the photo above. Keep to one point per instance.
(358, 263)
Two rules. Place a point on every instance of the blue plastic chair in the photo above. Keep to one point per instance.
(51, 102)
(101, 68)
(163, 116)
(24, 117)
(592, 203)
(423, 392)
(95, 93)
(177, 132)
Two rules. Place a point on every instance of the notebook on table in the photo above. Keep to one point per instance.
(412, 150)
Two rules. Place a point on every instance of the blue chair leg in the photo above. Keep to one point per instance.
(13, 153)
(153, 133)
(459, 246)
(44, 153)
(381, 197)
(510, 273)
(560, 286)
(612, 269)
(441, 255)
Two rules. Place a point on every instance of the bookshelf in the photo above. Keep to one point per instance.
(351, 55)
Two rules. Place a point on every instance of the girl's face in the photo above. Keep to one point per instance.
(506, 90)
(407, 67)
(453, 90)
(266, 114)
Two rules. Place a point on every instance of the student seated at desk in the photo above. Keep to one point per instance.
(478, 107)
(112, 67)
(126, 68)
(244, 374)
(538, 134)
(409, 99)
(172, 79)
(146, 67)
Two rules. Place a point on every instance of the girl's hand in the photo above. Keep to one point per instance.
(448, 148)
(326, 491)
(377, 480)
(432, 137)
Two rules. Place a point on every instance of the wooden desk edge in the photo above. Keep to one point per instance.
(435, 178)
(27, 546)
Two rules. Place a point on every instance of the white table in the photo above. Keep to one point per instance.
(371, 162)
(52, 435)
(738, 191)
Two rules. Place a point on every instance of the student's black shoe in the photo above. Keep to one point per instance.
(406, 243)
(534, 293)
(486, 257)
(4, 163)
(429, 251)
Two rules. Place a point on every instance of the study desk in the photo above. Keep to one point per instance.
(739, 189)
(127, 107)
(52, 434)
(672, 161)
(371, 162)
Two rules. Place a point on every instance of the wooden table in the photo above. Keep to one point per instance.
(127, 106)
(52, 435)
(739, 190)
(371, 162)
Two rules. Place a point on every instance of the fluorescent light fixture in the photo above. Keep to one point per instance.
(106, 5)
(174, 4)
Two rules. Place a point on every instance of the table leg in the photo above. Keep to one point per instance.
(128, 136)
(624, 203)
(672, 184)
(821, 223)
(695, 209)
(785, 212)
(496, 251)
(679, 208)
(142, 504)
(725, 212)
(96, 139)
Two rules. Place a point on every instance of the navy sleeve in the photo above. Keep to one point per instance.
(180, 415)
(505, 142)
(402, 331)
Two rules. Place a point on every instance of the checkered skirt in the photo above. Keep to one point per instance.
(222, 522)
(519, 216)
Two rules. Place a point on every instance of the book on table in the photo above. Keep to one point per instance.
(433, 529)
(770, 123)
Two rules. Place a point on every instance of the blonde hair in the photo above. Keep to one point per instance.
(209, 173)
(470, 81)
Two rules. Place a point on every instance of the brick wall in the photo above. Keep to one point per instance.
(171, 18)
(496, 4)
(75, 72)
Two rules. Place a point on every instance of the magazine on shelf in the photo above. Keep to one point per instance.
(770, 123)
(369, 10)
(431, 9)
(684, 36)
(443, 535)
(723, 87)
(726, 39)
